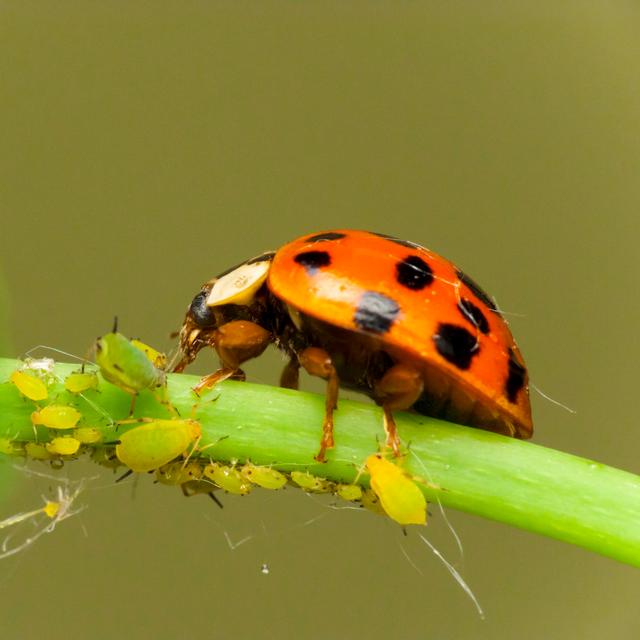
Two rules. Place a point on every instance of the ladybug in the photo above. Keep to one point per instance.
(372, 313)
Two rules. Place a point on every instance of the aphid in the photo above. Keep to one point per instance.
(105, 456)
(56, 416)
(177, 473)
(373, 313)
(64, 446)
(228, 478)
(37, 451)
(157, 358)
(399, 495)
(349, 492)
(311, 483)
(128, 367)
(157, 442)
(11, 447)
(29, 385)
(264, 477)
(371, 502)
(81, 381)
(87, 435)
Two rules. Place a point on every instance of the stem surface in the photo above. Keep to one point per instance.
(532, 487)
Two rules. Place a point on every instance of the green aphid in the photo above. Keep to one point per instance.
(127, 366)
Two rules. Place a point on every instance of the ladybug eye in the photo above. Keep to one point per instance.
(199, 310)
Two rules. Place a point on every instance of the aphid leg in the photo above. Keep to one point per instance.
(317, 362)
(215, 499)
(290, 377)
(132, 406)
(398, 389)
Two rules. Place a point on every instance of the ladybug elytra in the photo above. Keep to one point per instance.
(371, 313)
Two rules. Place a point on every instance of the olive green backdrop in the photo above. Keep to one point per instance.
(147, 146)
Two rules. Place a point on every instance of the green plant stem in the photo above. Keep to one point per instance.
(538, 489)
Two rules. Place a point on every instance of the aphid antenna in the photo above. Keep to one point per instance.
(60, 351)
(442, 510)
(409, 559)
(115, 325)
(539, 391)
(454, 572)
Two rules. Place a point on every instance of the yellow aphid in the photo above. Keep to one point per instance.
(399, 495)
(264, 477)
(349, 492)
(157, 442)
(371, 502)
(56, 416)
(105, 456)
(228, 478)
(51, 509)
(178, 473)
(194, 487)
(81, 381)
(64, 446)
(10, 448)
(157, 358)
(87, 435)
(311, 483)
(29, 385)
(37, 451)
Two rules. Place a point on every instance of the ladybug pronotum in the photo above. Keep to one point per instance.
(372, 313)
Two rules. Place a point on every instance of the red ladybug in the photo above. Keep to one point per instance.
(372, 313)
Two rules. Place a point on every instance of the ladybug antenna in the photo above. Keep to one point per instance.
(115, 325)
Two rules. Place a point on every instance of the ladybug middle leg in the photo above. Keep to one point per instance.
(397, 390)
(235, 342)
(317, 362)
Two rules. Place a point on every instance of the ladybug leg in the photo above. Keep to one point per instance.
(317, 362)
(289, 378)
(397, 390)
(235, 342)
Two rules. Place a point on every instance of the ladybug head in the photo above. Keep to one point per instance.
(235, 289)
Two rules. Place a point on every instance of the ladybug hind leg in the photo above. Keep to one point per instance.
(235, 342)
(317, 362)
(397, 390)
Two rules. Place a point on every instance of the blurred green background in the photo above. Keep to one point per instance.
(148, 146)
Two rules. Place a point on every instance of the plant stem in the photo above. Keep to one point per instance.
(538, 489)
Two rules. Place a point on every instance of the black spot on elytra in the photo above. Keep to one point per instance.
(474, 315)
(414, 273)
(515, 379)
(456, 345)
(477, 291)
(202, 314)
(402, 243)
(376, 312)
(323, 237)
(263, 257)
(313, 260)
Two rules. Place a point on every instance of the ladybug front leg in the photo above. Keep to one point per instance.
(317, 362)
(397, 390)
(235, 342)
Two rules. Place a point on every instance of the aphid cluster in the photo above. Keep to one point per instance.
(55, 413)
